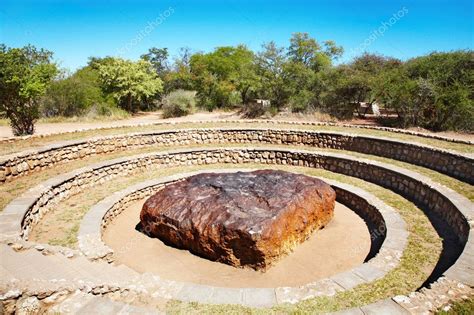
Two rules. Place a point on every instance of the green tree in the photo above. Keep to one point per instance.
(434, 91)
(340, 91)
(158, 57)
(306, 50)
(129, 82)
(75, 95)
(307, 59)
(180, 76)
(25, 74)
(270, 63)
(348, 85)
(224, 77)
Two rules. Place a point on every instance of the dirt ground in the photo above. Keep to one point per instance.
(151, 117)
(342, 244)
(140, 118)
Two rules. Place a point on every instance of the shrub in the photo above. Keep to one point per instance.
(106, 110)
(257, 108)
(179, 103)
(301, 102)
(74, 95)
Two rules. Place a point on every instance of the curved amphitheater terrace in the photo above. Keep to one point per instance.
(401, 240)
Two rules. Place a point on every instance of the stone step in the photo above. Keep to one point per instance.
(73, 270)
(5, 275)
(97, 272)
(29, 264)
(126, 272)
(81, 303)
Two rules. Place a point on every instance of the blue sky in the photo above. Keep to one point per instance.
(75, 30)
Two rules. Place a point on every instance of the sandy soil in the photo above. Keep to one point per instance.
(141, 118)
(151, 117)
(341, 245)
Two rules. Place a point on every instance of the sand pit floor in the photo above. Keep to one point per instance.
(343, 244)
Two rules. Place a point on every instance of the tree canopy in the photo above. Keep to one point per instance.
(129, 82)
(224, 77)
(25, 74)
(435, 91)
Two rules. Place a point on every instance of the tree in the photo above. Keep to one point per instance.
(341, 90)
(404, 95)
(224, 77)
(307, 59)
(434, 91)
(129, 82)
(270, 64)
(306, 50)
(25, 74)
(349, 85)
(303, 49)
(180, 76)
(158, 57)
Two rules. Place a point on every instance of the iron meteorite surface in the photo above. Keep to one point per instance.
(244, 219)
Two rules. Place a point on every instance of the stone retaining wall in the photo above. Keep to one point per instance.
(411, 185)
(456, 210)
(250, 121)
(453, 164)
(381, 219)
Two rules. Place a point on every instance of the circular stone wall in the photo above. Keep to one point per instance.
(442, 206)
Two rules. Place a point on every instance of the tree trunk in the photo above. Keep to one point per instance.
(243, 95)
(129, 103)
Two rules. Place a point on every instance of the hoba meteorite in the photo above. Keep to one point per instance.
(244, 219)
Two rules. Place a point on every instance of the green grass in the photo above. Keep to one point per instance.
(8, 148)
(463, 307)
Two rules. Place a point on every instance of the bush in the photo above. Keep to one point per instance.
(254, 109)
(179, 103)
(111, 111)
(302, 101)
(74, 95)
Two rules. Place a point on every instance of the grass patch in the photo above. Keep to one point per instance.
(463, 307)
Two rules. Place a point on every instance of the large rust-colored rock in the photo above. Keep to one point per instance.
(241, 219)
